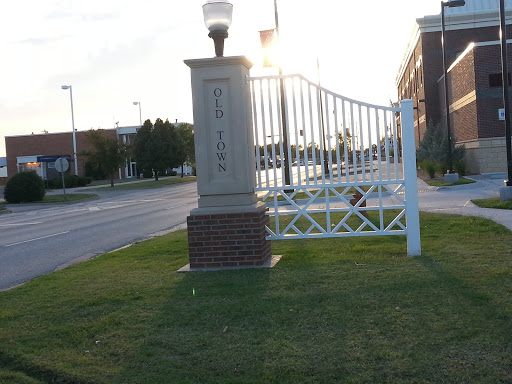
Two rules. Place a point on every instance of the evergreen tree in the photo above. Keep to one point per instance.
(433, 149)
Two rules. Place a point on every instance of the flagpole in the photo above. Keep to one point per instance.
(283, 113)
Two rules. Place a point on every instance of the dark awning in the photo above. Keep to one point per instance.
(49, 159)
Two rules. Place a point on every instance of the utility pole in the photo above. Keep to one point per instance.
(504, 72)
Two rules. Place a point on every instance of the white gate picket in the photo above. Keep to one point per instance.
(339, 145)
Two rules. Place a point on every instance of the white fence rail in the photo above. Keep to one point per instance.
(330, 166)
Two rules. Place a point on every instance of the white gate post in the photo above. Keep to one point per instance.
(410, 179)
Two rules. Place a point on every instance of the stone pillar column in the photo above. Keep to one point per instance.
(228, 228)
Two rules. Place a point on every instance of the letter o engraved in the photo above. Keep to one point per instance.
(217, 92)
(221, 146)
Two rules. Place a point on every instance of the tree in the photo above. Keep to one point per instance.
(156, 147)
(185, 147)
(107, 153)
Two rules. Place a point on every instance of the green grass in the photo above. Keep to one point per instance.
(352, 310)
(69, 197)
(494, 202)
(154, 184)
(107, 182)
(441, 183)
(2, 207)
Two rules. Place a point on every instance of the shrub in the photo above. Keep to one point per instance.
(24, 187)
(460, 167)
(55, 183)
(82, 181)
(71, 181)
(429, 167)
(434, 146)
(172, 173)
(147, 174)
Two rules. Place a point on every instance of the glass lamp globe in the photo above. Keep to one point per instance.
(217, 18)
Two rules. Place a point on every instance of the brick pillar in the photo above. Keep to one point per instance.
(227, 230)
(228, 240)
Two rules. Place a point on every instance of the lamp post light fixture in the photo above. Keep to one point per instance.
(217, 17)
(72, 125)
(140, 112)
(449, 4)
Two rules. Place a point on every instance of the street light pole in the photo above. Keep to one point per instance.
(140, 112)
(283, 111)
(73, 126)
(326, 163)
(504, 77)
(449, 4)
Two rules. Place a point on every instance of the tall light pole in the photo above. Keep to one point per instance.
(283, 111)
(73, 126)
(449, 4)
(140, 111)
(326, 163)
(504, 77)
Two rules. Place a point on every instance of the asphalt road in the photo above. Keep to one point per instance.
(38, 239)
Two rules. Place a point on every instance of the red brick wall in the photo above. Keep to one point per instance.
(461, 78)
(228, 240)
(479, 119)
(490, 99)
(461, 82)
(48, 144)
(429, 47)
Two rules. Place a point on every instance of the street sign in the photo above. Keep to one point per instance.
(61, 164)
(501, 114)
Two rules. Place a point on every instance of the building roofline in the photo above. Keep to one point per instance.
(471, 46)
(454, 21)
(60, 133)
(413, 41)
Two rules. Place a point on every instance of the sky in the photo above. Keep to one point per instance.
(116, 52)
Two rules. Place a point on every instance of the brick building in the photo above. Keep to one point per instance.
(37, 151)
(474, 79)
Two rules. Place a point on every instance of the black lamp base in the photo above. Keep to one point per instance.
(218, 39)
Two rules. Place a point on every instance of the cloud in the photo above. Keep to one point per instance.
(83, 17)
(37, 41)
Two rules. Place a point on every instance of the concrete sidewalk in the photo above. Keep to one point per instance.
(457, 199)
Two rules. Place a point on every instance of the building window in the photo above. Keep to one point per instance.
(51, 164)
(495, 80)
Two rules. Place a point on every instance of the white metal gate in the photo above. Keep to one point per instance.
(333, 167)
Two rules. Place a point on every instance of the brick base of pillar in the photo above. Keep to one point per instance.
(228, 240)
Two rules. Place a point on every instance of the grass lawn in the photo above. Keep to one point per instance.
(352, 310)
(441, 183)
(494, 202)
(155, 184)
(69, 197)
